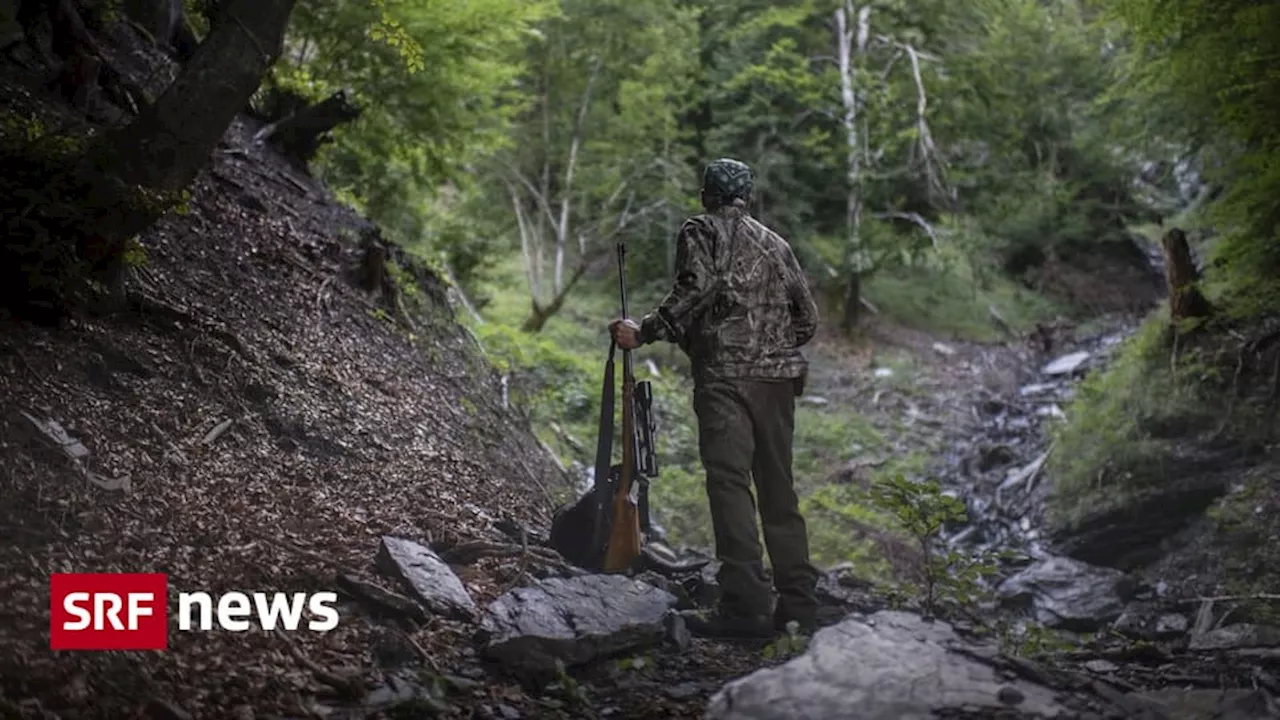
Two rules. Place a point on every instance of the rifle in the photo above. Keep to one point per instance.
(620, 518)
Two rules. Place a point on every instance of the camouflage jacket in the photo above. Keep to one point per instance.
(741, 306)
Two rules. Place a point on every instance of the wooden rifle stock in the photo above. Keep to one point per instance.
(624, 530)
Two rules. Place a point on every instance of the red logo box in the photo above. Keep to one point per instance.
(108, 611)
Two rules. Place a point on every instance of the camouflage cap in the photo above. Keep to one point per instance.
(728, 179)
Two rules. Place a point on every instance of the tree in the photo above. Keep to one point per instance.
(131, 176)
(442, 82)
(169, 143)
(1202, 76)
(597, 155)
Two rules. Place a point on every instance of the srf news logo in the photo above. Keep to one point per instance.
(128, 611)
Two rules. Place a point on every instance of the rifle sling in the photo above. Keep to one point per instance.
(604, 452)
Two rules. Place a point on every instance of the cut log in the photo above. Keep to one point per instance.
(1181, 276)
(300, 135)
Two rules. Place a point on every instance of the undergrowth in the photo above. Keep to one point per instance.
(951, 300)
(1130, 428)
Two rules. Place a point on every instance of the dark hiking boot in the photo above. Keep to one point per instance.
(718, 624)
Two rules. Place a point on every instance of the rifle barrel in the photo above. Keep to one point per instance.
(622, 276)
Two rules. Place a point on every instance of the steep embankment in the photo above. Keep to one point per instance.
(255, 422)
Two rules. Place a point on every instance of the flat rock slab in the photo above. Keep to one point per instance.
(892, 666)
(1070, 594)
(574, 620)
(428, 578)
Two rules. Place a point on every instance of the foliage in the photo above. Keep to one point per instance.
(1244, 525)
(437, 80)
(789, 644)
(595, 151)
(949, 580)
(1031, 640)
(1204, 76)
(1125, 426)
(947, 293)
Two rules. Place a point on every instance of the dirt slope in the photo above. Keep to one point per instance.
(272, 424)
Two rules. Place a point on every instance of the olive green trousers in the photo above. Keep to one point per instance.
(745, 433)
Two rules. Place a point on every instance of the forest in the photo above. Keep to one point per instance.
(1043, 236)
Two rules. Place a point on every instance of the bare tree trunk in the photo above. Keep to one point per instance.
(850, 44)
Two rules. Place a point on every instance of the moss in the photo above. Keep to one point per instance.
(70, 229)
(1131, 428)
(1122, 425)
(1245, 531)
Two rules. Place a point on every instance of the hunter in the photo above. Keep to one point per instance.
(741, 310)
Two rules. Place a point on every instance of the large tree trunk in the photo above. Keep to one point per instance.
(131, 175)
(168, 144)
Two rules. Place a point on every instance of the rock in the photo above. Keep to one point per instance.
(1037, 389)
(397, 689)
(1226, 704)
(1137, 620)
(894, 666)
(1010, 695)
(574, 620)
(1171, 624)
(1101, 666)
(944, 350)
(1145, 619)
(1236, 637)
(883, 372)
(1069, 594)
(704, 589)
(1066, 364)
(815, 400)
(426, 577)
(682, 691)
(677, 633)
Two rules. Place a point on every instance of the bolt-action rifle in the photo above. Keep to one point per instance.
(622, 491)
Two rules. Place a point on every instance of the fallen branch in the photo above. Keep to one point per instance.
(350, 686)
(1230, 598)
(469, 553)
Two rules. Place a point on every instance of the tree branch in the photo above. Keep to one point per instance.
(566, 193)
(913, 218)
(526, 251)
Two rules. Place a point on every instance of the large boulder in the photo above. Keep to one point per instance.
(1070, 594)
(574, 621)
(891, 666)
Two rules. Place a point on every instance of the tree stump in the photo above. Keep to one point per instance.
(1181, 276)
